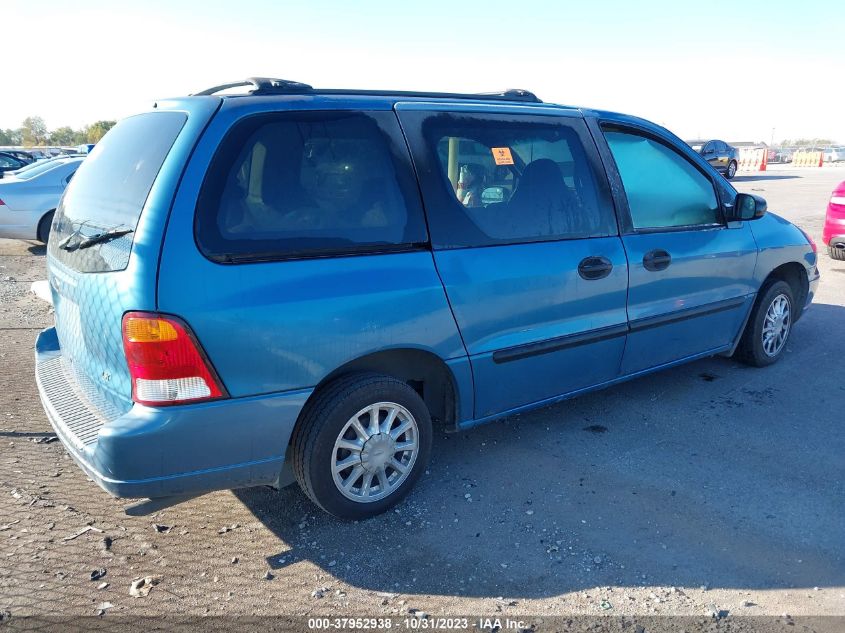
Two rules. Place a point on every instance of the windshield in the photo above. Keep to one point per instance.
(109, 191)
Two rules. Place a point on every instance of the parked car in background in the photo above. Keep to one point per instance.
(29, 198)
(834, 154)
(20, 154)
(9, 163)
(357, 298)
(833, 234)
(85, 148)
(781, 155)
(721, 156)
(41, 165)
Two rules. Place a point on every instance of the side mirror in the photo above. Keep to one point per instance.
(709, 150)
(747, 206)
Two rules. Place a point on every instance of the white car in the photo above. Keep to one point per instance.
(834, 154)
(29, 198)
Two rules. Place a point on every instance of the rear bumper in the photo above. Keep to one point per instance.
(161, 452)
(833, 231)
(834, 235)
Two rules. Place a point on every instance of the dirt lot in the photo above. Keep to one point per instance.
(708, 487)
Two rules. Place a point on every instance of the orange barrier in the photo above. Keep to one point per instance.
(752, 159)
(807, 159)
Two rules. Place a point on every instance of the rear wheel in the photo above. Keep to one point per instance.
(837, 252)
(731, 172)
(43, 232)
(361, 444)
(769, 326)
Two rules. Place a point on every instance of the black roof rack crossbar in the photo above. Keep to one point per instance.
(515, 94)
(261, 86)
(270, 86)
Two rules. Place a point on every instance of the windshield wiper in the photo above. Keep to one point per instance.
(99, 238)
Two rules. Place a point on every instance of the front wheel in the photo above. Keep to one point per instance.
(769, 326)
(361, 444)
(731, 172)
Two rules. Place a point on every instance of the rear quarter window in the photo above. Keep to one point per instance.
(309, 184)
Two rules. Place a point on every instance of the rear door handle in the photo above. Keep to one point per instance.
(657, 259)
(592, 268)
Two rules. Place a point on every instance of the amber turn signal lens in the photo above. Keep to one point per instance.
(147, 330)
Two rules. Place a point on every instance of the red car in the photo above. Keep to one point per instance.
(834, 223)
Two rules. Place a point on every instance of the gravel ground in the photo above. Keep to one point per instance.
(710, 489)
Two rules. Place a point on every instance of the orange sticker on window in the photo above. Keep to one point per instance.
(502, 155)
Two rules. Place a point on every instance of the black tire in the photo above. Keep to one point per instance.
(750, 349)
(44, 224)
(323, 421)
(836, 253)
(730, 172)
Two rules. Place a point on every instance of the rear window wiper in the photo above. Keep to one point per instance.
(65, 243)
(85, 242)
(99, 238)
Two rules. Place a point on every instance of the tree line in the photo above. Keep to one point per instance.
(33, 132)
(807, 142)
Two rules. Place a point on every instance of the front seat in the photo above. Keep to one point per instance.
(542, 204)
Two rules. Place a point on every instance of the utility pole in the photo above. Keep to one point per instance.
(773, 138)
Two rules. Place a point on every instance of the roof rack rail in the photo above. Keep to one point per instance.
(505, 95)
(270, 86)
(261, 86)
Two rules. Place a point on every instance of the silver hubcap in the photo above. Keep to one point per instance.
(731, 169)
(776, 325)
(375, 452)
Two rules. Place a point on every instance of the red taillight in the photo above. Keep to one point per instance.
(166, 362)
(1, 202)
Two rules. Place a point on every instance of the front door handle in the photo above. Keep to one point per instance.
(592, 268)
(657, 259)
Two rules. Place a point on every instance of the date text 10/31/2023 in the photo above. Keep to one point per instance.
(414, 623)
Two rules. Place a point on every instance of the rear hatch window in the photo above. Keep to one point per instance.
(99, 212)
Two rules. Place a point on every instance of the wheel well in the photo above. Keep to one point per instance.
(425, 372)
(42, 238)
(795, 275)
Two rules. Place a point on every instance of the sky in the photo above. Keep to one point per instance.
(736, 70)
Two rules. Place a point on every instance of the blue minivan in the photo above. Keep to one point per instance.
(297, 283)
